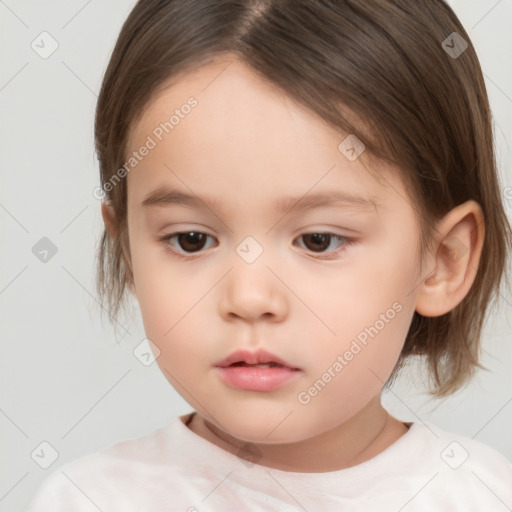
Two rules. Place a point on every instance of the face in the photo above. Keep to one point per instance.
(273, 252)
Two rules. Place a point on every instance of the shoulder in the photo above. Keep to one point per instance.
(457, 450)
(463, 469)
(107, 477)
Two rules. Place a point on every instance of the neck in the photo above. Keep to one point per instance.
(353, 442)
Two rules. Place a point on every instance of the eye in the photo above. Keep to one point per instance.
(189, 242)
(319, 242)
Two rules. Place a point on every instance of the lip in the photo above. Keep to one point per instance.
(261, 356)
(256, 379)
(253, 378)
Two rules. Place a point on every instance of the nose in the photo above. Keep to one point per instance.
(252, 292)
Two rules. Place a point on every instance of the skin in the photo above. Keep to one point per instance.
(248, 145)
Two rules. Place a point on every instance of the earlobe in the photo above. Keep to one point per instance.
(458, 248)
(109, 219)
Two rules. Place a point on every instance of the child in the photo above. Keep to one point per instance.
(333, 162)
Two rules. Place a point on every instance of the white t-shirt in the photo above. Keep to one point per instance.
(174, 469)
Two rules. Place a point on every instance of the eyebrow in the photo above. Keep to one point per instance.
(168, 197)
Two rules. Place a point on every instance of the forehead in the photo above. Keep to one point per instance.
(242, 134)
(228, 94)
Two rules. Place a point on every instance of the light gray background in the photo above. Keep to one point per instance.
(63, 378)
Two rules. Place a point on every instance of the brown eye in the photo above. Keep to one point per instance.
(319, 242)
(187, 242)
(191, 241)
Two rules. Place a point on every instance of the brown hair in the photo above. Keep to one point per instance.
(383, 61)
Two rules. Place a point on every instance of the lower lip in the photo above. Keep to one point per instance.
(256, 379)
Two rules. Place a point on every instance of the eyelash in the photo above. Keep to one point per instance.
(165, 240)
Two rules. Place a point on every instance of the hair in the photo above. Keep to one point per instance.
(383, 62)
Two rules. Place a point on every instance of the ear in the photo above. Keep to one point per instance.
(453, 267)
(112, 227)
(109, 219)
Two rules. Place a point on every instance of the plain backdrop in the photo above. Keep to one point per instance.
(64, 380)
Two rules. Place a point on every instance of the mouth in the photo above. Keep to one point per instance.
(256, 371)
(257, 377)
(259, 359)
(260, 365)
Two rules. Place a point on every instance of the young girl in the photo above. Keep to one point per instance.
(301, 195)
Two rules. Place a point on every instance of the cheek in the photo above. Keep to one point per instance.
(368, 292)
(353, 369)
(157, 292)
(369, 306)
(172, 302)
